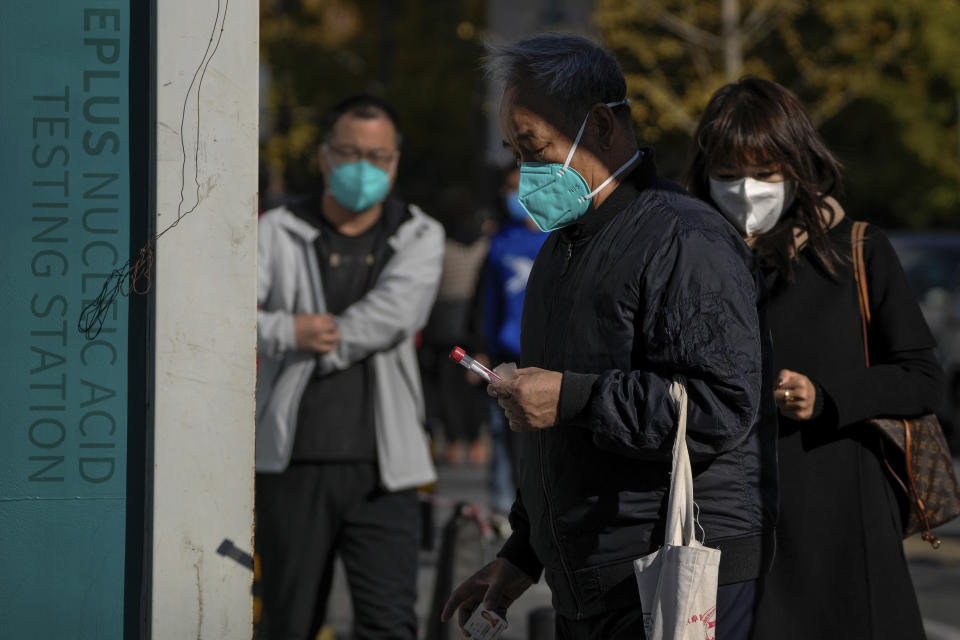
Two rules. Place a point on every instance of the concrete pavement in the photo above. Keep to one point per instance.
(936, 578)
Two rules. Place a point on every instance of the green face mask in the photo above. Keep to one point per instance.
(554, 194)
(358, 186)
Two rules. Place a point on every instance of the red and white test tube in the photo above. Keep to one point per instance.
(459, 355)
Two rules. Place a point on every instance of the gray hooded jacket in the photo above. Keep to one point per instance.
(381, 326)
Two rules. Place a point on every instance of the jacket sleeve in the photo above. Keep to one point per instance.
(398, 304)
(904, 379)
(696, 321)
(517, 548)
(275, 334)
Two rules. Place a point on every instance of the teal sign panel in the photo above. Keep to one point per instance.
(64, 118)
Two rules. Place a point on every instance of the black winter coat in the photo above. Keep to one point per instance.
(653, 285)
(839, 546)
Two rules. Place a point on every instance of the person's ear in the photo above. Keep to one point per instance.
(395, 166)
(322, 159)
(605, 125)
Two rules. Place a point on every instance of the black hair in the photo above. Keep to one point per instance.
(758, 121)
(359, 106)
(572, 72)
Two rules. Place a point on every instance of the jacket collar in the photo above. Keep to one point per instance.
(297, 225)
(302, 217)
(640, 177)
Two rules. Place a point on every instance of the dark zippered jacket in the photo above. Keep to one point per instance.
(652, 286)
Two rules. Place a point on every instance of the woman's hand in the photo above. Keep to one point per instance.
(795, 395)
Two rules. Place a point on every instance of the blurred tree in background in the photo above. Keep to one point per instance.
(879, 77)
(421, 57)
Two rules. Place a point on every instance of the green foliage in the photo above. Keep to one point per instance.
(422, 57)
(880, 77)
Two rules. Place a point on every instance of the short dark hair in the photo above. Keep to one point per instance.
(360, 106)
(759, 121)
(571, 71)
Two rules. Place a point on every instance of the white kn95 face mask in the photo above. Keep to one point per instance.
(752, 206)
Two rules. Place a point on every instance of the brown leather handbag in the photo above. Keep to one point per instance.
(921, 464)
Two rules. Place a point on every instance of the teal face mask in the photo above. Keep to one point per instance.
(554, 194)
(359, 185)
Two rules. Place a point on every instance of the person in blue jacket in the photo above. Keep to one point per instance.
(508, 264)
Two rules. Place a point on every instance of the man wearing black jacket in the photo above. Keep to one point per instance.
(638, 285)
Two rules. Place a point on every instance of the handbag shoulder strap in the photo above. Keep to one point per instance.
(860, 276)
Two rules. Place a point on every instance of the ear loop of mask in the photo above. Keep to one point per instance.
(603, 184)
(327, 155)
(576, 142)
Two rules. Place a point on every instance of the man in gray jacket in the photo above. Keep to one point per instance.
(346, 279)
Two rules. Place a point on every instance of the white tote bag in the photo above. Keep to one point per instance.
(678, 582)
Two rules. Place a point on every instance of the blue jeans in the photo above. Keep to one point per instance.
(502, 490)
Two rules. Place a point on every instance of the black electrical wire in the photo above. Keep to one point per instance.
(137, 272)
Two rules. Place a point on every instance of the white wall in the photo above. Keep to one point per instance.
(205, 285)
